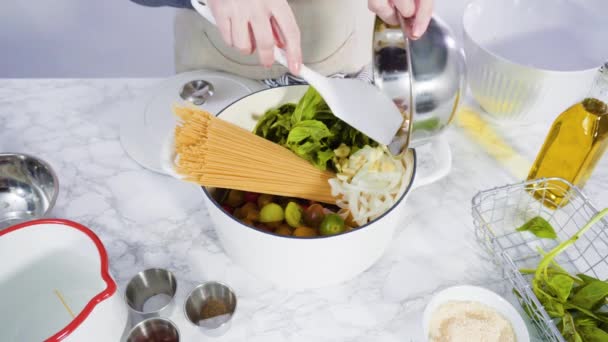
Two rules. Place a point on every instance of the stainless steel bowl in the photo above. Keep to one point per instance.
(28, 188)
(154, 329)
(151, 293)
(210, 307)
(438, 70)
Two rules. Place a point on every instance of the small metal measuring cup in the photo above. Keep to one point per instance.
(210, 307)
(154, 329)
(150, 294)
(197, 91)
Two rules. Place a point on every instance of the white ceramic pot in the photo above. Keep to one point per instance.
(533, 59)
(55, 285)
(302, 263)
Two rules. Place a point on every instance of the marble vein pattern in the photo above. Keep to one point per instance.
(150, 220)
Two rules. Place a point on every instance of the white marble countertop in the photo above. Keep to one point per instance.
(147, 220)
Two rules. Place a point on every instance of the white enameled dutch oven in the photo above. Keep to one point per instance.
(55, 285)
(303, 263)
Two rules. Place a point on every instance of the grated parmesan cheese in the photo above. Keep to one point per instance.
(460, 321)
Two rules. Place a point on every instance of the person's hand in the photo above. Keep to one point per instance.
(259, 25)
(418, 11)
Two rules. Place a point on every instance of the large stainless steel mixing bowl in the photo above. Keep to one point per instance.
(28, 188)
(438, 69)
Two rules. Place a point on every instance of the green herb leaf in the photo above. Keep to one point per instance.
(591, 295)
(324, 156)
(560, 285)
(568, 329)
(308, 129)
(308, 106)
(539, 227)
(589, 331)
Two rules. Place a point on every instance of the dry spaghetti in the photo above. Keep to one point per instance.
(215, 153)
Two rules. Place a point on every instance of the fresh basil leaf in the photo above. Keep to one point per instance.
(324, 156)
(308, 105)
(568, 329)
(283, 122)
(306, 149)
(539, 227)
(554, 308)
(586, 279)
(582, 311)
(593, 334)
(591, 295)
(308, 129)
(287, 108)
(560, 286)
(263, 125)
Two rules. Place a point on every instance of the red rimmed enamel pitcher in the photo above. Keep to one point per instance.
(55, 285)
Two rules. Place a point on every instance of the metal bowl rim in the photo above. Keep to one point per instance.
(51, 171)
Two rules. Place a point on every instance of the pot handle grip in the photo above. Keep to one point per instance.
(443, 156)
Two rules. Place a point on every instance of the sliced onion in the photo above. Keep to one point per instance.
(369, 193)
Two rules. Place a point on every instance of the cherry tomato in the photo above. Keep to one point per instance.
(332, 224)
(293, 214)
(272, 212)
(235, 198)
(305, 232)
(314, 215)
(283, 230)
(264, 199)
(251, 197)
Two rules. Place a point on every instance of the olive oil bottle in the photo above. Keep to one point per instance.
(575, 143)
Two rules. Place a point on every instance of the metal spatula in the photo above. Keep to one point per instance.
(357, 103)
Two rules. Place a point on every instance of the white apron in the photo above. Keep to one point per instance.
(336, 37)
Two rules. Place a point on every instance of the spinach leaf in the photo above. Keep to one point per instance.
(589, 331)
(569, 330)
(539, 227)
(592, 295)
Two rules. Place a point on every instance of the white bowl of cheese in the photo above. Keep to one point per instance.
(471, 313)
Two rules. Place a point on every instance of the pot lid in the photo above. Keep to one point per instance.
(150, 120)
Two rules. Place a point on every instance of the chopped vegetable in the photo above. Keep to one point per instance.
(293, 214)
(332, 224)
(539, 227)
(271, 213)
(311, 131)
(370, 183)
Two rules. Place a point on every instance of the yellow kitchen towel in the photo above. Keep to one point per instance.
(490, 140)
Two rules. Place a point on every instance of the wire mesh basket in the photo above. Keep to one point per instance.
(498, 212)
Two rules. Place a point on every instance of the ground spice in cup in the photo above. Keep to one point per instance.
(213, 308)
